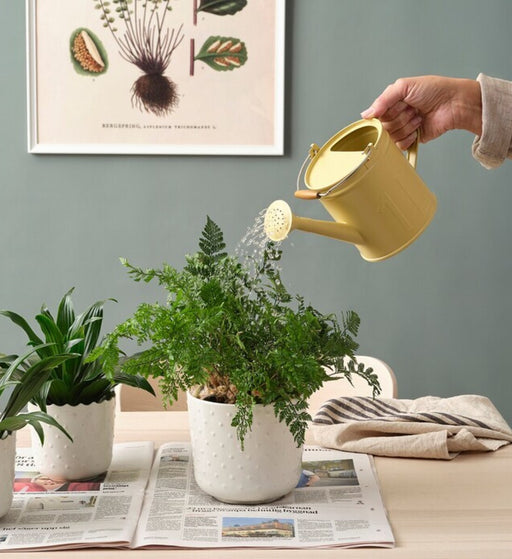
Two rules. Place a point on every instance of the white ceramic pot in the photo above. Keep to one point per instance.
(7, 456)
(268, 468)
(90, 453)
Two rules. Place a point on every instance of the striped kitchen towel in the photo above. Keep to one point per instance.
(428, 427)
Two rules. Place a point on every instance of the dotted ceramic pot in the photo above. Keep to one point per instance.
(268, 468)
(90, 453)
(7, 455)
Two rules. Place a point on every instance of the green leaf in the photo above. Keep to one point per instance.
(223, 53)
(66, 312)
(221, 7)
(92, 328)
(137, 381)
(212, 240)
(16, 362)
(59, 392)
(51, 332)
(12, 423)
(95, 391)
(34, 419)
(31, 383)
(38, 428)
(22, 323)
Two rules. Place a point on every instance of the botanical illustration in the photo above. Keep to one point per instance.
(156, 76)
(146, 38)
(140, 30)
(221, 53)
(221, 7)
(88, 54)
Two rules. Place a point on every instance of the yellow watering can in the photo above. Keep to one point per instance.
(378, 201)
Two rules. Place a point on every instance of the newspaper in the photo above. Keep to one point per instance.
(146, 503)
(58, 514)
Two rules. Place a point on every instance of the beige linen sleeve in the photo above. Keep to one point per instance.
(495, 143)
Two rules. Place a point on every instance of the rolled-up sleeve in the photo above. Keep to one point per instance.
(495, 143)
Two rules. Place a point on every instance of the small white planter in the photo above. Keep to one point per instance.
(90, 453)
(7, 456)
(268, 468)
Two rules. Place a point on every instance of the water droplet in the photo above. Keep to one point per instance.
(251, 248)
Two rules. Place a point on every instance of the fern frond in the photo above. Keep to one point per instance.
(212, 240)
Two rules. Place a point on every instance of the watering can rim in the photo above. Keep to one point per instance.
(354, 160)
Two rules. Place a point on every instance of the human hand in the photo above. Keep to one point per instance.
(431, 104)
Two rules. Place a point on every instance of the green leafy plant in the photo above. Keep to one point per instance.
(69, 340)
(21, 382)
(230, 332)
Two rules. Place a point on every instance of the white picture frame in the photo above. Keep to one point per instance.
(95, 109)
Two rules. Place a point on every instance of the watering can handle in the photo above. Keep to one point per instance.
(313, 150)
(412, 152)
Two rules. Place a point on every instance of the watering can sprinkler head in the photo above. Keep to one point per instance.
(279, 221)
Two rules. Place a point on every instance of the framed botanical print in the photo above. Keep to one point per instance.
(156, 76)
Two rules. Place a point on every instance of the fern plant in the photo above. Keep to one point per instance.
(229, 334)
(75, 379)
(20, 384)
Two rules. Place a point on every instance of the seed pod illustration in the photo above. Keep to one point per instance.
(88, 54)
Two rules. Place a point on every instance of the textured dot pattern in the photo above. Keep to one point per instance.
(278, 220)
(268, 467)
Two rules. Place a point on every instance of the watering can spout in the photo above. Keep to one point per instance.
(279, 221)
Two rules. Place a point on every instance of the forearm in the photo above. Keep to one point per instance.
(467, 106)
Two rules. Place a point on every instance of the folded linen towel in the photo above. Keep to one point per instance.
(428, 427)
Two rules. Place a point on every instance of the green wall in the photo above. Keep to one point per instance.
(439, 313)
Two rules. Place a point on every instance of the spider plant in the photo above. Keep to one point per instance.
(20, 382)
(73, 380)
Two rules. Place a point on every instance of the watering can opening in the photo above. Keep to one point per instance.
(356, 141)
(340, 157)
